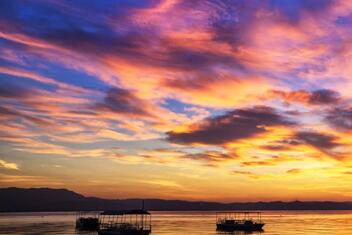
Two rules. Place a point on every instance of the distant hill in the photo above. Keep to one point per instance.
(46, 199)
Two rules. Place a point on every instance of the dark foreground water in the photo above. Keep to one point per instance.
(188, 223)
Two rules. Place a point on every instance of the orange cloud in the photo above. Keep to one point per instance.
(294, 171)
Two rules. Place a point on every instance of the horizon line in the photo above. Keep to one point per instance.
(184, 200)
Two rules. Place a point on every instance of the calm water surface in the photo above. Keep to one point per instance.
(189, 223)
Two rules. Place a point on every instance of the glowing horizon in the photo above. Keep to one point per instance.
(196, 100)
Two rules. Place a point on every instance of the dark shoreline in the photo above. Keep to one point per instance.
(62, 200)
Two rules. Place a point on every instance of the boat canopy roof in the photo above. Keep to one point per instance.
(125, 212)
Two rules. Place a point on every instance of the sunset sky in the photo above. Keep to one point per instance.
(241, 100)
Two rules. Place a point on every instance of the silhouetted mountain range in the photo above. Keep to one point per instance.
(46, 199)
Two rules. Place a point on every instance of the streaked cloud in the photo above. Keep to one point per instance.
(234, 125)
(8, 165)
(340, 118)
(123, 101)
(317, 97)
(294, 171)
(164, 91)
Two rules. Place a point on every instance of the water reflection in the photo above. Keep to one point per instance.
(189, 223)
(239, 232)
(79, 232)
(35, 228)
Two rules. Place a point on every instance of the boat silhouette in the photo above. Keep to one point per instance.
(239, 221)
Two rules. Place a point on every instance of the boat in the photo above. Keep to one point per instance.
(239, 221)
(87, 220)
(127, 222)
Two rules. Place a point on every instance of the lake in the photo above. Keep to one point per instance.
(188, 223)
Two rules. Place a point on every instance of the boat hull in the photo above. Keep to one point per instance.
(240, 227)
(123, 232)
(87, 224)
